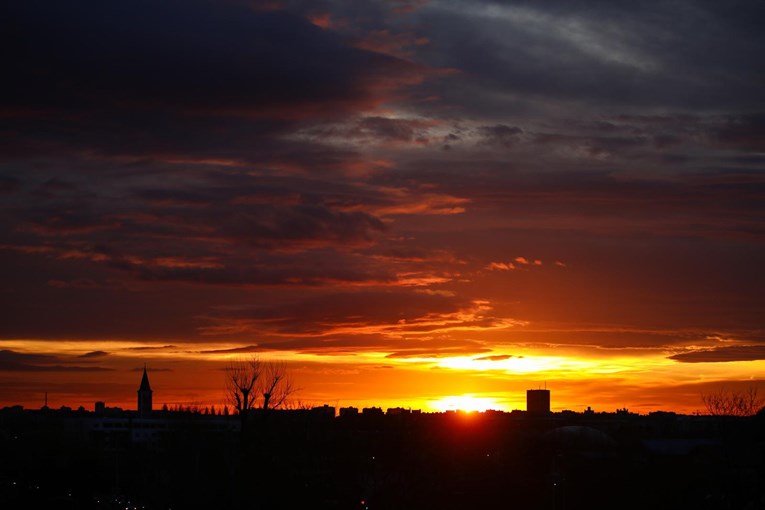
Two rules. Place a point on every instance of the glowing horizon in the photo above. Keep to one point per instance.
(492, 382)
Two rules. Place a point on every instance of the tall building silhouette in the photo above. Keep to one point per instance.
(144, 395)
(538, 401)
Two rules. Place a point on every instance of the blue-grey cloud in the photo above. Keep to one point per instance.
(161, 173)
(11, 361)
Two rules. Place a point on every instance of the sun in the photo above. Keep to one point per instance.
(467, 403)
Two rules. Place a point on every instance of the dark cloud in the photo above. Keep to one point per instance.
(215, 170)
(497, 357)
(502, 135)
(744, 132)
(259, 224)
(176, 77)
(178, 55)
(151, 348)
(398, 130)
(82, 283)
(368, 312)
(722, 354)
(617, 54)
(11, 361)
(330, 345)
(215, 233)
(8, 184)
(236, 350)
(713, 201)
(94, 354)
(438, 352)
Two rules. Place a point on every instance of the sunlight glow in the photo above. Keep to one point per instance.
(191, 372)
(467, 403)
(516, 364)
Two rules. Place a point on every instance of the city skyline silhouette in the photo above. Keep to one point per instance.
(189, 457)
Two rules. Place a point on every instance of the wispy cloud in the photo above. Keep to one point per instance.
(11, 361)
(722, 354)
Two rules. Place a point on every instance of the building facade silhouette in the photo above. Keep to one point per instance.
(538, 401)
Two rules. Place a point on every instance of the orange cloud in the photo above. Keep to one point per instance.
(500, 266)
(390, 43)
(322, 20)
(426, 204)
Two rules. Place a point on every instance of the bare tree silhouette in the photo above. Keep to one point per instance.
(275, 385)
(241, 377)
(253, 383)
(724, 402)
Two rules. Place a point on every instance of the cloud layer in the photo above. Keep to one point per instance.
(416, 179)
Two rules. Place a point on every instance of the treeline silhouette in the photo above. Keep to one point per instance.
(312, 459)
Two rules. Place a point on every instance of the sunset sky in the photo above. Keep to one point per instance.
(428, 204)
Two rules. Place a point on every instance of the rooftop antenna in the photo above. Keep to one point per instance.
(46, 400)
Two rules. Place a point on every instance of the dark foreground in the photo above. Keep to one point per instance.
(310, 460)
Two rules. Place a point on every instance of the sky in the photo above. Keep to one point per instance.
(427, 204)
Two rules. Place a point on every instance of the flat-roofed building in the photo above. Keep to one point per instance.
(538, 401)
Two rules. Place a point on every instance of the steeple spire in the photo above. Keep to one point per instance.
(144, 395)
(145, 381)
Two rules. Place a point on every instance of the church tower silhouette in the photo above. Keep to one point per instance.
(144, 395)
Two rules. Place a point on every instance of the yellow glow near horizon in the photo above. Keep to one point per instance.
(467, 403)
(515, 364)
(190, 372)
